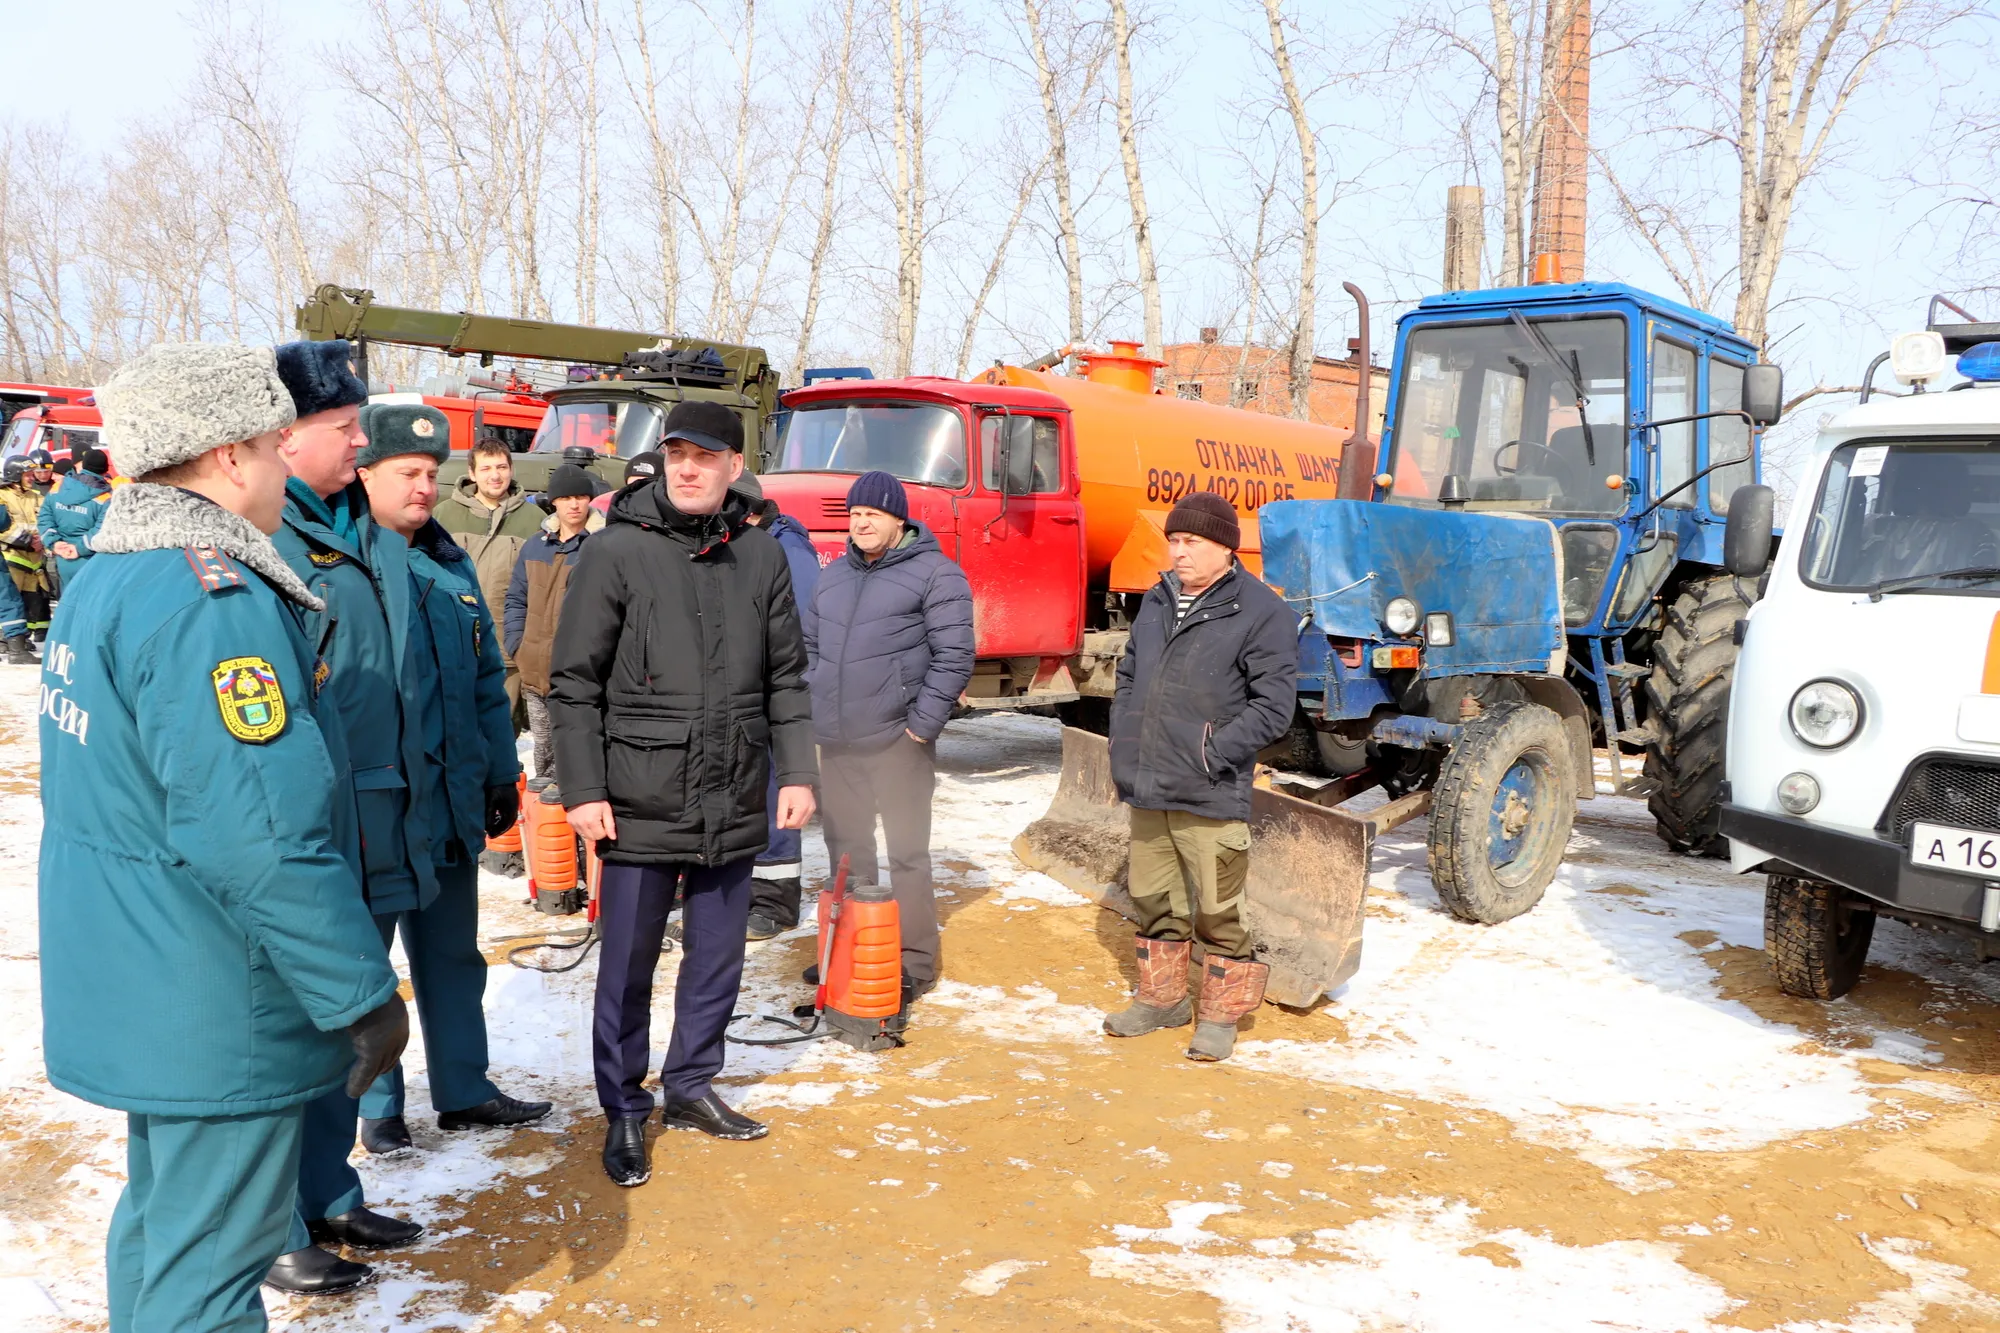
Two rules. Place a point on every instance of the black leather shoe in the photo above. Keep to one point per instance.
(388, 1137)
(502, 1112)
(625, 1151)
(711, 1117)
(365, 1229)
(760, 927)
(314, 1272)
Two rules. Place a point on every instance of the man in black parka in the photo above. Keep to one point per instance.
(1209, 678)
(678, 675)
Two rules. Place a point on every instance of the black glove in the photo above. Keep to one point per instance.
(379, 1037)
(503, 807)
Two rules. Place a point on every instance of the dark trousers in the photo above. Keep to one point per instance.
(448, 974)
(633, 902)
(448, 977)
(896, 784)
(204, 1211)
(774, 884)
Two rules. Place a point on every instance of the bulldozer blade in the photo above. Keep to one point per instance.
(1308, 869)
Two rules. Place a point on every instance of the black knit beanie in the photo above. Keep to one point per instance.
(1206, 514)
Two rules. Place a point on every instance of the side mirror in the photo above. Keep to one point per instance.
(1746, 538)
(1017, 456)
(1764, 393)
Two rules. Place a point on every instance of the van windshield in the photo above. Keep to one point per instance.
(919, 442)
(1520, 429)
(622, 427)
(1922, 516)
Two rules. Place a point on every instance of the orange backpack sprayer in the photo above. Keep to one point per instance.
(550, 846)
(860, 992)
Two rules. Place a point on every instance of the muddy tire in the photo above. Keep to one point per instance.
(1816, 936)
(1501, 813)
(1297, 751)
(1694, 661)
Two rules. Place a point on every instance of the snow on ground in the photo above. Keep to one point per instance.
(1427, 1264)
(1592, 1024)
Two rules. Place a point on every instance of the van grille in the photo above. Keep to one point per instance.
(833, 509)
(1945, 791)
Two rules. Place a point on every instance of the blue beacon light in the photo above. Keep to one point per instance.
(1981, 363)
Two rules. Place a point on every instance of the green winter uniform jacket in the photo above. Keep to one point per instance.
(457, 692)
(202, 943)
(361, 573)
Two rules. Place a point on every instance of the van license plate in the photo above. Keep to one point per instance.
(1963, 851)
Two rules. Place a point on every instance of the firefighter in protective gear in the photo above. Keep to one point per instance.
(21, 544)
(207, 964)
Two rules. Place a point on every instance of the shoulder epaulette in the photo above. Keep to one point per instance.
(215, 570)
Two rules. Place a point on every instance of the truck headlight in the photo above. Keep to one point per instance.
(1400, 616)
(1798, 793)
(1825, 714)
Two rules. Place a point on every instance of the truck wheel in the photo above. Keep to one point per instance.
(1816, 936)
(1501, 813)
(1694, 661)
(1297, 751)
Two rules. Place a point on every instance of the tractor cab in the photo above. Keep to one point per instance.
(1615, 414)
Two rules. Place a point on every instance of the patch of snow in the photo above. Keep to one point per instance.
(987, 1281)
(1031, 1014)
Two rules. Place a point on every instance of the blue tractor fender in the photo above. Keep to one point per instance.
(1487, 588)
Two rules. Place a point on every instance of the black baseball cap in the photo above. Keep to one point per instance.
(710, 425)
(643, 465)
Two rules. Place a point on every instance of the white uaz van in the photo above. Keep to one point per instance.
(1864, 722)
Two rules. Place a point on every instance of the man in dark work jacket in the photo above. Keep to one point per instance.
(678, 675)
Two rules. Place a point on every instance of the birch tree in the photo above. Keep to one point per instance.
(908, 134)
(1295, 105)
(1063, 92)
(1135, 185)
(830, 146)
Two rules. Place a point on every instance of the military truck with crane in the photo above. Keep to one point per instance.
(617, 385)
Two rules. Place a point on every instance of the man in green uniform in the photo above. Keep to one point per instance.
(207, 964)
(361, 572)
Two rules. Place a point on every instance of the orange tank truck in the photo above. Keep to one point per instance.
(1050, 490)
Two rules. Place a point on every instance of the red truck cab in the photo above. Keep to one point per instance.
(1022, 552)
(65, 431)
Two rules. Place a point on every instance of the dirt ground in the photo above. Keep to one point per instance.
(1012, 1169)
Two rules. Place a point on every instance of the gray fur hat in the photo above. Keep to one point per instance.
(176, 401)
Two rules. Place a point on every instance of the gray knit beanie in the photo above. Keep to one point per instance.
(176, 401)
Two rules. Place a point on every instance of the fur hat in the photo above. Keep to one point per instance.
(879, 490)
(176, 401)
(320, 376)
(395, 429)
(1206, 514)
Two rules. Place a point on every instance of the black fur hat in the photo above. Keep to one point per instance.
(320, 375)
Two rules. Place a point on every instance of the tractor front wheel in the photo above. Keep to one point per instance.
(1501, 812)
(1694, 662)
(1816, 936)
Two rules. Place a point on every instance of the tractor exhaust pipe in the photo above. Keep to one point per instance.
(1357, 453)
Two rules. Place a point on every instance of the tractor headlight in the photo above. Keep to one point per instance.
(1798, 793)
(1825, 713)
(1439, 631)
(1400, 616)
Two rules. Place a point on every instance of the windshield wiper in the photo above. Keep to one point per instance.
(1977, 573)
(1572, 371)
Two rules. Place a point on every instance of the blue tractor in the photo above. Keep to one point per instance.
(1532, 565)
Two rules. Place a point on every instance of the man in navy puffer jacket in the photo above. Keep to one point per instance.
(891, 647)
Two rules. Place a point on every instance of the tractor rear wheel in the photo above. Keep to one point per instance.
(1816, 936)
(1694, 661)
(1501, 812)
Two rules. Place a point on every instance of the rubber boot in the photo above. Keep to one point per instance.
(1230, 988)
(1162, 997)
(18, 652)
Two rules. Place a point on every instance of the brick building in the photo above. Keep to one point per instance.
(1259, 379)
